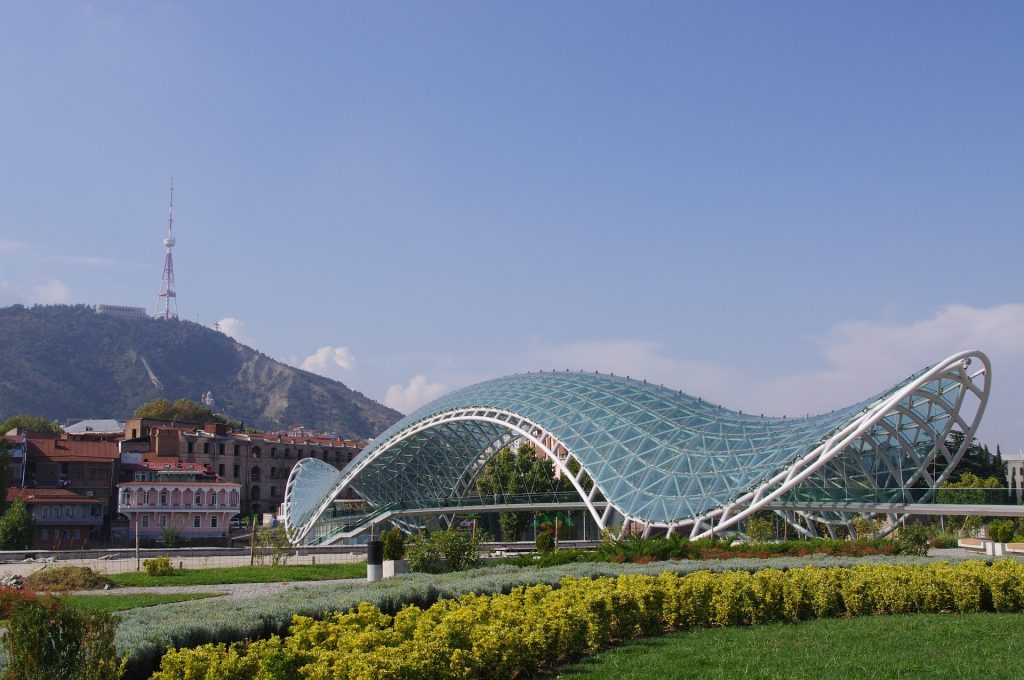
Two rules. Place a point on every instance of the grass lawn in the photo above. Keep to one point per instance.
(116, 603)
(917, 646)
(266, 574)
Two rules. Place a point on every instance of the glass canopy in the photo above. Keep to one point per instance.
(658, 456)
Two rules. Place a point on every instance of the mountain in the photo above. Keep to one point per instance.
(70, 362)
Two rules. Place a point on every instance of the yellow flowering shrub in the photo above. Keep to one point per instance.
(533, 628)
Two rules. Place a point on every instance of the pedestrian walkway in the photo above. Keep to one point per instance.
(232, 591)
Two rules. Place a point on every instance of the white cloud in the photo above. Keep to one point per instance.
(235, 328)
(416, 393)
(50, 292)
(864, 357)
(327, 360)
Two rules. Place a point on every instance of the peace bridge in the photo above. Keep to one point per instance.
(639, 457)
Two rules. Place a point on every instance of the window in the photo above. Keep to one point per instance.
(273, 492)
(77, 534)
(69, 511)
(44, 535)
(163, 521)
(46, 511)
(191, 445)
(255, 452)
(206, 447)
(97, 511)
(255, 494)
(145, 521)
(287, 453)
(273, 452)
(254, 474)
(67, 534)
(220, 449)
(220, 470)
(163, 497)
(213, 522)
(199, 497)
(197, 522)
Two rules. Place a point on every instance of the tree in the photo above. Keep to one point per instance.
(183, 410)
(5, 462)
(977, 460)
(510, 473)
(30, 423)
(16, 527)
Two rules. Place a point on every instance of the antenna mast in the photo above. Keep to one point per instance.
(167, 299)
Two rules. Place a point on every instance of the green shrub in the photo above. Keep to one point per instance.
(394, 543)
(913, 539)
(171, 537)
(45, 639)
(158, 566)
(545, 543)
(760, 529)
(16, 527)
(53, 579)
(441, 551)
(1001, 531)
(943, 541)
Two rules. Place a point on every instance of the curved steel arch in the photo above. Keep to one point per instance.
(638, 443)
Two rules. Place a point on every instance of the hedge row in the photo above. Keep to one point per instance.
(146, 633)
(536, 627)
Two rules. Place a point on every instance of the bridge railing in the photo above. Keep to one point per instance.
(344, 521)
(955, 495)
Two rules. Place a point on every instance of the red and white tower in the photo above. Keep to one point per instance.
(167, 299)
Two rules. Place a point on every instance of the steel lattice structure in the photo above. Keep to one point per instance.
(660, 459)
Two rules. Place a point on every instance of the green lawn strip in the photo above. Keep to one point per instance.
(116, 603)
(911, 646)
(256, 574)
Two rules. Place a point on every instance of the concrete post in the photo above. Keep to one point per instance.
(374, 560)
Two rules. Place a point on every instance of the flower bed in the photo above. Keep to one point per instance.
(470, 636)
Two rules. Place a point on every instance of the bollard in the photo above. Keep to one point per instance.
(374, 560)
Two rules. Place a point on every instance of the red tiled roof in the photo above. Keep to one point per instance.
(29, 496)
(72, 450)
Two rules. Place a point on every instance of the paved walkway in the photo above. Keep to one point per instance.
(234, 591)
(118, 566)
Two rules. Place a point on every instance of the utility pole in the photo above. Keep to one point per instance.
(252, 542)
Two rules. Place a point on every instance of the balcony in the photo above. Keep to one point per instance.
(168, 507)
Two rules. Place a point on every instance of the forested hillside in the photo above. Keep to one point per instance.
(69, 362)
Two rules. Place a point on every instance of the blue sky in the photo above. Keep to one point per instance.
(782, 207)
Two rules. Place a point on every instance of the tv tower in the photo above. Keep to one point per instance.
(167, 299)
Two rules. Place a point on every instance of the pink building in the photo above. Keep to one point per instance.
(170, 493)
